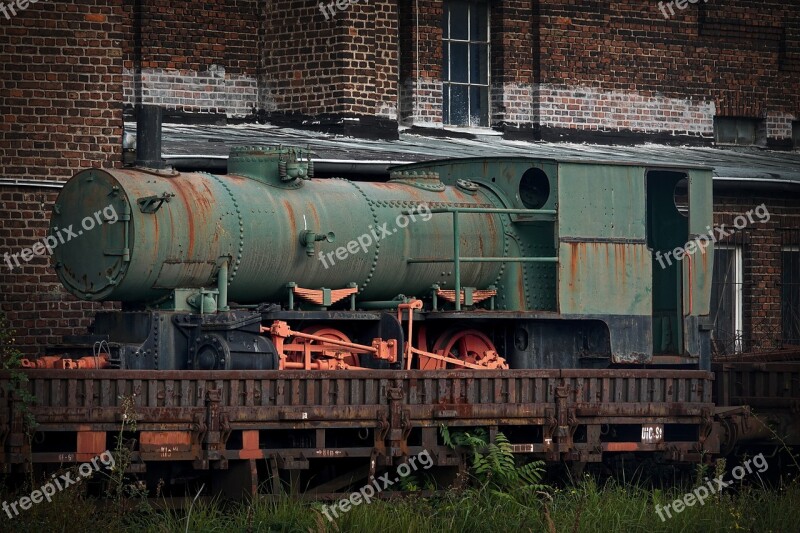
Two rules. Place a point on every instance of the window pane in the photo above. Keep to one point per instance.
(458, 105)
(479, 64)
(796, 134)
(445, 20)
(465, 63)
(446, 104)
(746, 131)
(726, 130)
(459, 62)
(445, 61)
(723, 301)
(790, 296)
(479, 106)
(479, 28)
(459, 20)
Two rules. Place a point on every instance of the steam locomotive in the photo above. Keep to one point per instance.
(509, 262)
(277, 327)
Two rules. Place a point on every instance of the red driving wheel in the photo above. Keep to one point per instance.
(467, 345)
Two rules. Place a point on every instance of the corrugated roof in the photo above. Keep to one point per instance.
(751, 164)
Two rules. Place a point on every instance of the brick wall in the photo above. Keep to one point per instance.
(623, 66)
(573, 68)
(32, 298)
(194, 57)
(779, 125)
(596, 109)
(60, 70)
(61, 81)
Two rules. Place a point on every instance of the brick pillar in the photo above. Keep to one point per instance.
(335, 69)
(421, 63)
(512, 90)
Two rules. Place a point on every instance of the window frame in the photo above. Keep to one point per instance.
(447, 84)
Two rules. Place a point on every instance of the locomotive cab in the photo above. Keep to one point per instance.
(612, 270)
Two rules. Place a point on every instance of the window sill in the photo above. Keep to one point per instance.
(474, 130)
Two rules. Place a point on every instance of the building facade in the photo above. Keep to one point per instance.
(716, 73)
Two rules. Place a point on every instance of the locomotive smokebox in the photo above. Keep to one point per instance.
(137, 235)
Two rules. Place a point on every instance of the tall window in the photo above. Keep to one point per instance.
(465, 45)
(790, 294)
(726, 299)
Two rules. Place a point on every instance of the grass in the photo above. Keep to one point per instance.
(583, 507)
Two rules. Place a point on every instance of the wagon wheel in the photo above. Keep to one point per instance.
(467, 345)
(348, 358)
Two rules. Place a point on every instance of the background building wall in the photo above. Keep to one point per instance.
(60, 103)
(512, 65)
(591, 70)
(625, 67)
(573, 68)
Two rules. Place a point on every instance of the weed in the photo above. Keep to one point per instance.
(11, 360)
(494, 464)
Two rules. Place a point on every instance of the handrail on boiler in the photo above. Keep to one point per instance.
(457, 259)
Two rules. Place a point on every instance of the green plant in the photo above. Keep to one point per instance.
(720, 467)
(11, 359)
(118, 488)
(410, 483)
(778, 438)
(494, 464)
(608, 507)
(701, 471)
